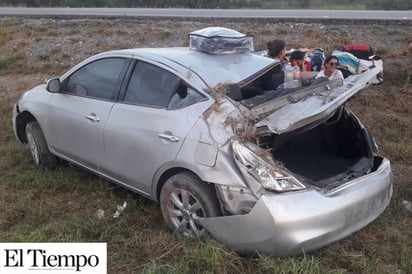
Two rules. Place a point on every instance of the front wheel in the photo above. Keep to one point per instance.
(183, 199)
(38, 147)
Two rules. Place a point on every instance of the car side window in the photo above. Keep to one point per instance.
(183, 99)
(99, 79)
(150, 86)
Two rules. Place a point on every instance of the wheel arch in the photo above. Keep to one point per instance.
(173, 171)
(22, 120)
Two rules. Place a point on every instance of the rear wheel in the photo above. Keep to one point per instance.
(183, 199)
(38, 147)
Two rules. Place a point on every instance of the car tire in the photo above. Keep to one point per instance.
(183, 199)
(38, 147)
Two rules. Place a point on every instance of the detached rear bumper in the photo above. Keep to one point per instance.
(291, 223)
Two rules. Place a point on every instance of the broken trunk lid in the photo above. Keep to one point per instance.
(311, 104)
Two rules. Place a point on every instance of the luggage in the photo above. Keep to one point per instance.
(218, 40)
(316, 59)
(348, 63)
(362, 51)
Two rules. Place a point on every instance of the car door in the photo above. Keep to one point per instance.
(78, 113)
(147, 128)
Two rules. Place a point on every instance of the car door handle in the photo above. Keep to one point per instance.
(92, 117)
(168, 137)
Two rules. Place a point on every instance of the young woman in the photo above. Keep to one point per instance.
(330, 71)
(277, 50)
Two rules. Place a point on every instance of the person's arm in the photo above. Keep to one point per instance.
(320, 74)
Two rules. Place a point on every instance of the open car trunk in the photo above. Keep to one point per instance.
(310, 131)
(326, 155)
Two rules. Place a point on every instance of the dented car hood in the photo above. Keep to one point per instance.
(311, 104)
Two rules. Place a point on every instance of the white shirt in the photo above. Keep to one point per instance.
(337, 74)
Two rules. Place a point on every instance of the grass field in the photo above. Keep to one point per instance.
(60, 205)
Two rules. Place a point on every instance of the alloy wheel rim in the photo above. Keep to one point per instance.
(184, 211)
(33, 149)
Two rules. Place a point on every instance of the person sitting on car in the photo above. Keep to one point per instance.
(276, 49)
(297, 58)
(330, 70)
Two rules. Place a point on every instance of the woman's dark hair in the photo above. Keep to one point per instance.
(275, 47)
(330, 57)
(297, 55)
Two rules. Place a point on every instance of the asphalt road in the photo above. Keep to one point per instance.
(212, 13)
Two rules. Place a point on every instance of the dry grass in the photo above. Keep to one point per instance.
(60, 205)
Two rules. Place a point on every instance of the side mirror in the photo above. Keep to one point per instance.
(53, 85)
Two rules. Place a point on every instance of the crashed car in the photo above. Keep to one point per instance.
(261, 170)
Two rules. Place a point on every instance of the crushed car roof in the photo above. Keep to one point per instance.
(212, 69)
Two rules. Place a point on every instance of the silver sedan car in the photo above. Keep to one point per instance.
(275, 171)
